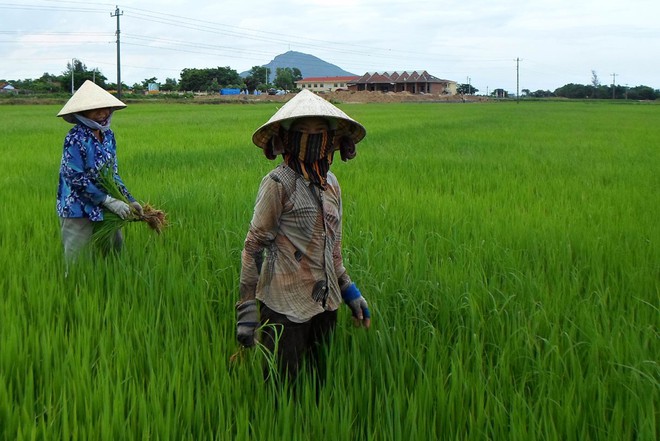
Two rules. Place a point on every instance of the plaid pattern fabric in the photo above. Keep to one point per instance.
(292, 257)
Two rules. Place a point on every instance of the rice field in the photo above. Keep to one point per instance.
(510, 254)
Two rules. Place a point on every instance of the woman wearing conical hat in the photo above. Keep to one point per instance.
(89, 147)
(292, 273)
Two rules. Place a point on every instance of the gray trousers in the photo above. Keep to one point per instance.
(77, 236)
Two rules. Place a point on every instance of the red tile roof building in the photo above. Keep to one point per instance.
(412, 82)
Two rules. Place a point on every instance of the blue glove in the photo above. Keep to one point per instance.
(247, 320)
(359, 307)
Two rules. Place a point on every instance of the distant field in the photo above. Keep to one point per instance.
(510, 254)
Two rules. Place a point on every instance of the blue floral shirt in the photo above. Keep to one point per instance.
(79, 193)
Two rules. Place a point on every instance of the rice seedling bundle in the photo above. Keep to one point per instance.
(105, 230)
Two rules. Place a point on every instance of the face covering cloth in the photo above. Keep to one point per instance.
(104, 126)
(310, 155)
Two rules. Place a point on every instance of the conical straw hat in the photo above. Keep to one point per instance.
(307, 103)
(88, 97)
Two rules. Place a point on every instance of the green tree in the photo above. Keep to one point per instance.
(47, 83)
(77, 71)
(225, 77)
(214, 87)
(113, 86)
(137, 88)
(573, 90)
(542, 94)
(192, 80)
(256, 79)
(466, 89)
(170, 85)
(642, 93)
(283, 78)
(600, 92)
(203, 79)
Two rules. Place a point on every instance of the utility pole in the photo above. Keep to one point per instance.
(613, 86)
(73, 64)
(118, 14)
(517, 80)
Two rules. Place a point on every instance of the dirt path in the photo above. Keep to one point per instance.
(352, 97)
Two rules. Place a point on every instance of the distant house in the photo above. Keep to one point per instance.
(325, 84)
(7, 88)
(412, 82)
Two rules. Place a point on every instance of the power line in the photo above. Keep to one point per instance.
(181, 22)
(54, 33)
(47, 8)
(256, 34)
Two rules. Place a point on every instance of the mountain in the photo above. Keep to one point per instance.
(309, 65)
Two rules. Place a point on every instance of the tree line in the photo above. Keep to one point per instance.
(576, 91)
(259, 78)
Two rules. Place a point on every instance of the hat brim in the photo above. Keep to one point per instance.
(89, 97)
(308, 104)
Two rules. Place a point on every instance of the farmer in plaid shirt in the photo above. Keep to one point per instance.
(293, 279)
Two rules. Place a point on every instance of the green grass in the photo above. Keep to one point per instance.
(510, 254)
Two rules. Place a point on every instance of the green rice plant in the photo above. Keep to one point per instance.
(509, 254)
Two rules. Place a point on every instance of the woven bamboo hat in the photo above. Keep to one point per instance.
(304, 104)
(88, 97)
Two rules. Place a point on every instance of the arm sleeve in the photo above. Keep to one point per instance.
(261, 234)
(118, 179)
(77, 169)
(122, 187)
(338, 261)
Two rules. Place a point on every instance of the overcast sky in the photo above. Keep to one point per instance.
(477, 41)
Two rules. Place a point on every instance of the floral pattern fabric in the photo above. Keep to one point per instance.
(79, 193)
